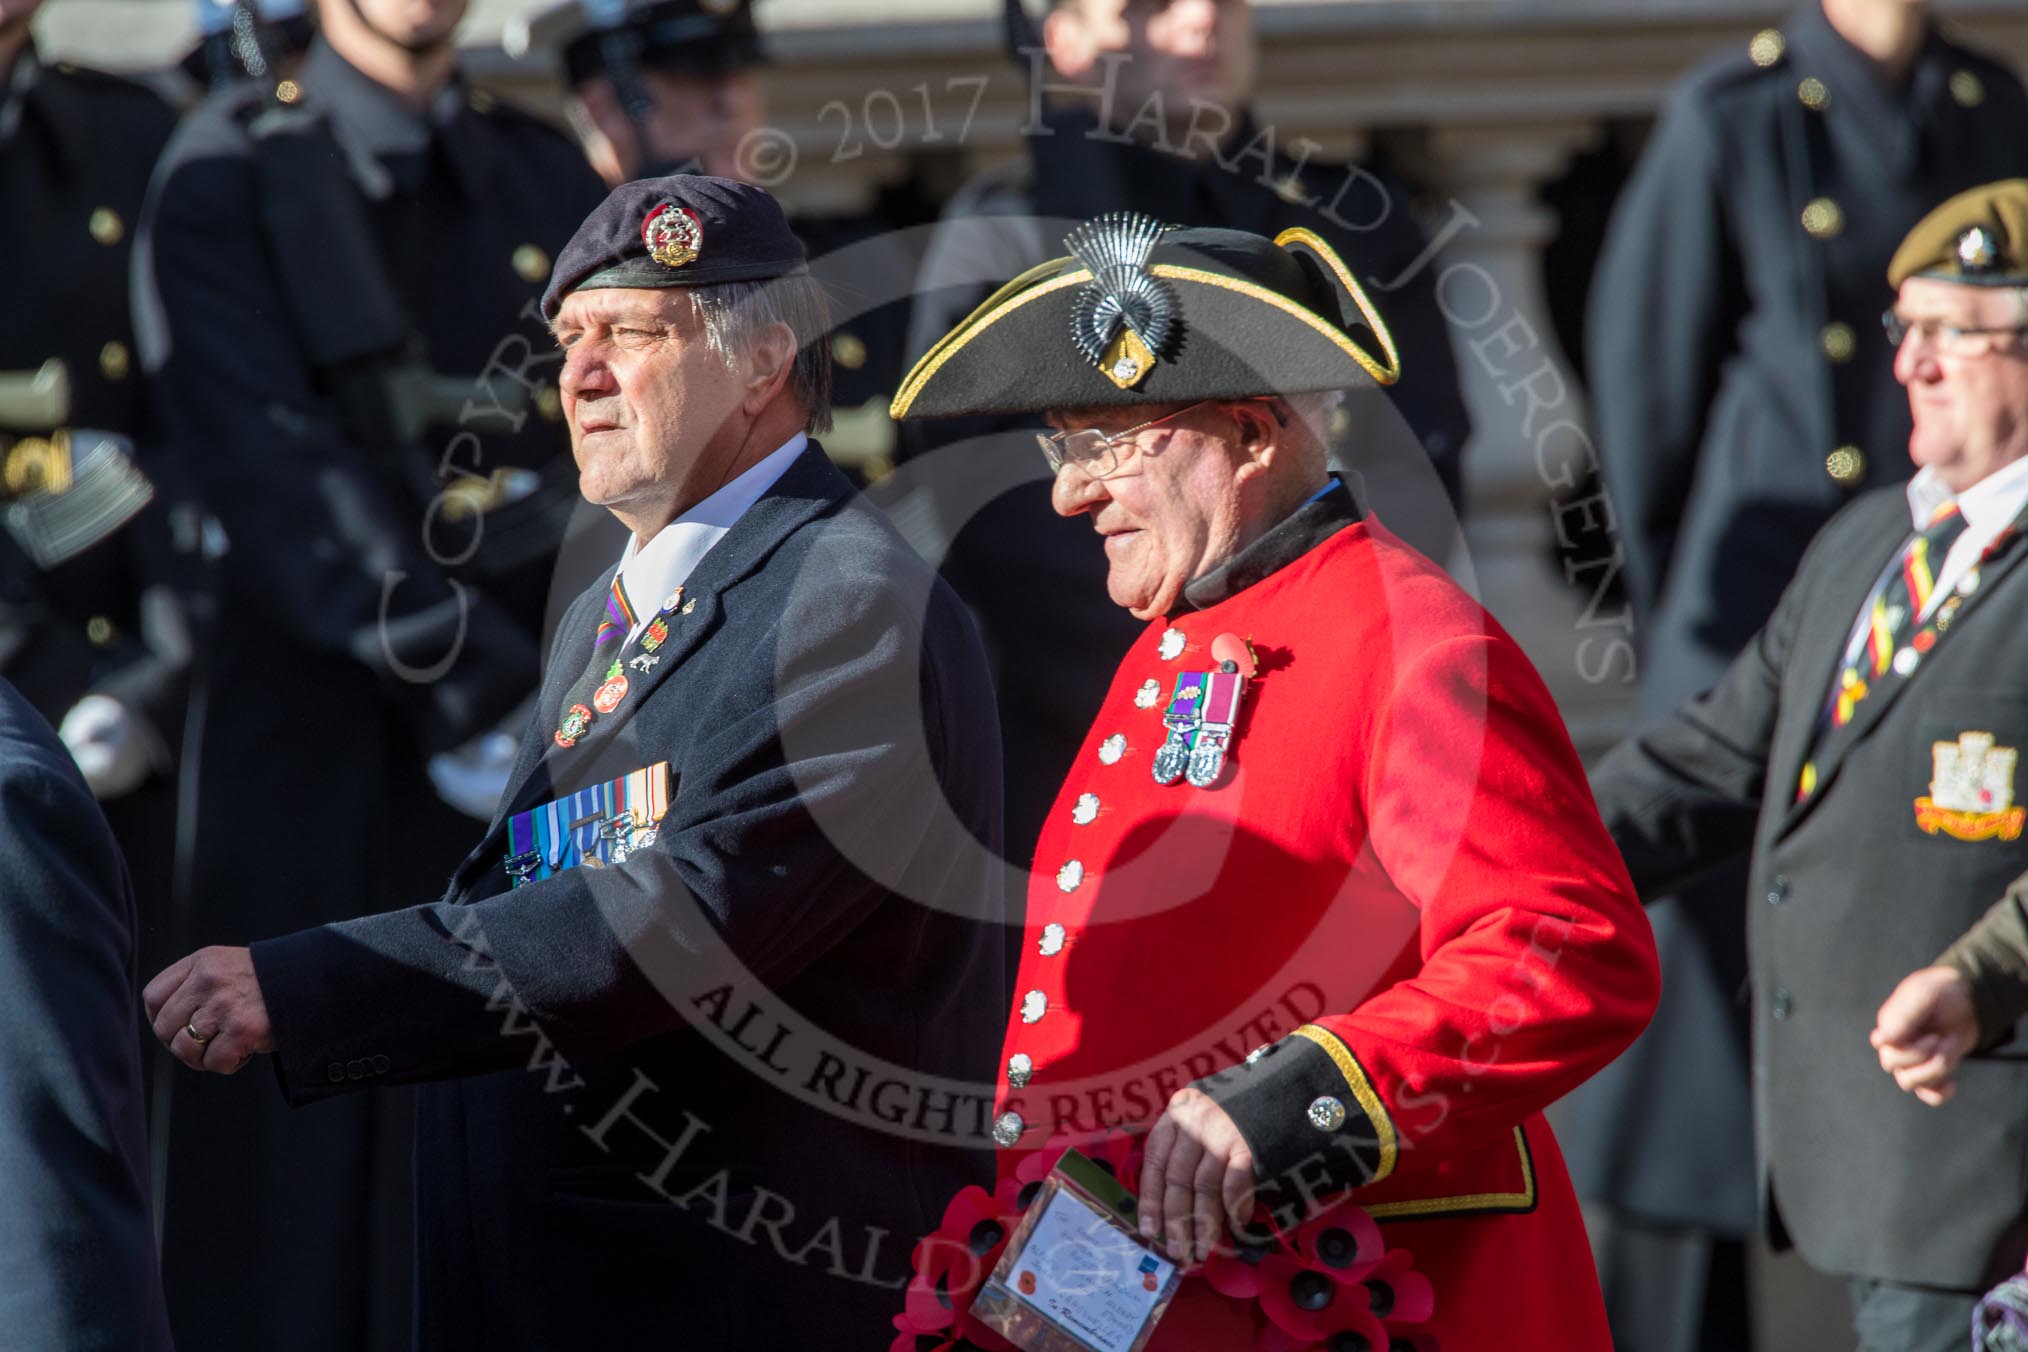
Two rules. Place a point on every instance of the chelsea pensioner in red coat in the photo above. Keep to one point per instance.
(1350, 935)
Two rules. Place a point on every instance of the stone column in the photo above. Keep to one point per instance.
(1529, 522)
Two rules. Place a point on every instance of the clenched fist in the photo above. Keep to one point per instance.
(208, 1011)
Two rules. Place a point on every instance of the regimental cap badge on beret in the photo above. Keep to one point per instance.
(1979, 237)
(681, 230)
(1978, 251)
(673, 234)
(1124, 317)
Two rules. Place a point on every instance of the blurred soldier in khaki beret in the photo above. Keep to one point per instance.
(1862, 752)
(1742, 393)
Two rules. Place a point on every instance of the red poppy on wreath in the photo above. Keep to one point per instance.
(908, 1341)
(1330, 1288)
(950, 1266)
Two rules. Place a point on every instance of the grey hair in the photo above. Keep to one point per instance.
(1313, 408)
(736, 314)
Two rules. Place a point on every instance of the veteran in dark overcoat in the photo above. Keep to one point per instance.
(705, 1080)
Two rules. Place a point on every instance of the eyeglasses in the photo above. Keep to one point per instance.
(1954, 340)
(1098, 453)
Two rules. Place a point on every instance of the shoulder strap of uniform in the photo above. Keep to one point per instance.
(313, 220)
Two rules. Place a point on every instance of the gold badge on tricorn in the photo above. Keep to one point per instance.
(1127, 360)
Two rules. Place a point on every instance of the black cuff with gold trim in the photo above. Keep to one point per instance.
(1309, 1115)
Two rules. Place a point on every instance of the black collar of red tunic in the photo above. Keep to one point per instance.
(1302, 531)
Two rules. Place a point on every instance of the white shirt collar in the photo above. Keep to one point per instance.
(650, 573)
(1988, 505)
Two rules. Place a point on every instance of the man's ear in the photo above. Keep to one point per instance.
(769, 363)
(1066, 38)
(1259, 430)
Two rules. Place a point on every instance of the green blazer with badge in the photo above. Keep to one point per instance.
(1909, 831)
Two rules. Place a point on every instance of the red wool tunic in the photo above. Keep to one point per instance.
(1400, 885)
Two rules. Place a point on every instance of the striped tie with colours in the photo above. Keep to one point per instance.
(618, 621)
(1893, 616)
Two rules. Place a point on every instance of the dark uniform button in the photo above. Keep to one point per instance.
(1778, 890)
(335, 1072)
(381, 1065)
(1780, 1006)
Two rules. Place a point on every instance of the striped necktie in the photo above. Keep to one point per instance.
(1893, 613)
(618, 621)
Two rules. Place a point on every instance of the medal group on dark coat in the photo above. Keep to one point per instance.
(712, 1035)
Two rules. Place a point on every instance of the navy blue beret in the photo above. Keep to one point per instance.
(684, 230)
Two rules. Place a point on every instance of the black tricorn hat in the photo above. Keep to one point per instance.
(1143, 313)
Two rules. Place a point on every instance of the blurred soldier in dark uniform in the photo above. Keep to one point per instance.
(670, 87)
(1744, 392)
(1146, 107)
(239, 40)
(89, 630)
(337, 313)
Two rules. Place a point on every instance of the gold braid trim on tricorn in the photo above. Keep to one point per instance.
(1006, 301)
(976, 323)
(1359, 298)
(1324, 327)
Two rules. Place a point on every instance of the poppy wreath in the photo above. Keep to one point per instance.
(1331, 1285)
(949, 1267)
